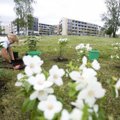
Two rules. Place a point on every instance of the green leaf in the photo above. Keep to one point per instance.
(94, 117)
(113, 91)
(27, 86)
(72, 90)
(28, 105)
(85, 112)
(101, 114)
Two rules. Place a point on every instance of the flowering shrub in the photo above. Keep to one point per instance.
(116, 51)
(62, 43)
(37, 86)
(83, 49)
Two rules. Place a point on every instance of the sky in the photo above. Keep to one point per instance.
(51, 11)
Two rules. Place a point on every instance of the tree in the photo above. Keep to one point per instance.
(24, 11)
(112, 17)
(109, 31)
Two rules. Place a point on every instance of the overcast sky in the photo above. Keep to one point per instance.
(51, 11)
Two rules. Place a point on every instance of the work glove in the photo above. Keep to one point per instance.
(12, 62)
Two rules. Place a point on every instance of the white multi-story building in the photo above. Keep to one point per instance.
(46, 29)
(75, 27)
(6, 29)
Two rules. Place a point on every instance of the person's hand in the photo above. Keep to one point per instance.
(16, 67)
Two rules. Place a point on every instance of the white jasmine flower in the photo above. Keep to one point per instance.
(65, 115)
(89, 73)
(19, 77)
(80, 80)
(75, 75)
(91, 93)
(84, 60)
(42, 94)
(84, 63)
(50, 107)
(18, 84)
(95, 65)
(55, 75)
(80, 46)
(117, 87)
(87, 76)
(39, 82)
(78, 104)
(96, 108)
(32, 65)
(88, 48)
(35, 59)
(76, 114)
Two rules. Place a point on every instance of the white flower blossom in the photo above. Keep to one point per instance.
(50, 107)
(88, 48)
(32, 65)
(87, 76)
(55, 75)
(42, 94)
(117, 87)
(95, 65)
(84, 60)
(65, 115)
(91, 93)
(39, 82)
(19, 77)
(76, 114)
(80, 46)
(78, 104)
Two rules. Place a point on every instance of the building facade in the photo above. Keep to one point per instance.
(46, 29)
(35, 28)
(65, 27)
(75, 27)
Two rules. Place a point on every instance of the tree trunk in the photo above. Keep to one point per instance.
(114, 35)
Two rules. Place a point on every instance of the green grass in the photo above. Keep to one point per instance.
(10, 102)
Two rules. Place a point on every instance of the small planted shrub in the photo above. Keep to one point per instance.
(62, 42)
(31, 43)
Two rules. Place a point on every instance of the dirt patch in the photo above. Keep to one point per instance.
(17, 62)
(60, 59)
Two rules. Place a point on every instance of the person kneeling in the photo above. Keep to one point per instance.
(6, 49)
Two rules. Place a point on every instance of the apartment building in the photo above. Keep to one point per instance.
(46, 29)
(75, 27)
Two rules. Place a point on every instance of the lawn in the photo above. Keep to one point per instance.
(11, 101)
